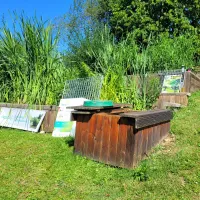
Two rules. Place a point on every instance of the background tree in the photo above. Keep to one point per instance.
(153, 16)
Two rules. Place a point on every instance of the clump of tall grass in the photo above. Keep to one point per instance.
(125, 69)
(31, 68)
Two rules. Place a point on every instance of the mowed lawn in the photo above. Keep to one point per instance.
(36, 166)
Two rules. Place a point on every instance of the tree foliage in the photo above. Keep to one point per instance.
(153, 16)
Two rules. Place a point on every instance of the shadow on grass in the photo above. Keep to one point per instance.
(69, 141)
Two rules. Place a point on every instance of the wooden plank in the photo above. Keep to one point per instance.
(139, 145)
(172, 99)
(145, 142)
(158, 138)
(105, 138)
(135, 114)
(159, 104)
(52, 119)
(183, 100)
(129, 146)
(110, 111)
(144, 121)
(162, 130)
(187, 81)
(136, 147)
(98, 137)
(174, 94)
(150, 138)
(121, 146)
(154, 128)
(48, 122)
(195, 77)
(91, 136)
(77, 141)
(168, 128)
(84, 133)
(177, 99)
(113, 140)
(98, 108)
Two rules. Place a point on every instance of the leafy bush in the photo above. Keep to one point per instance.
(172, 53)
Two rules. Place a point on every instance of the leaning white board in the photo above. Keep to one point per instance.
(64, 126)
(25, 119)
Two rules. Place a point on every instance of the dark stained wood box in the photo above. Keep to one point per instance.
(119, 139)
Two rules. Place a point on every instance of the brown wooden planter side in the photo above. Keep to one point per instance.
(177, 98)
(114, 140)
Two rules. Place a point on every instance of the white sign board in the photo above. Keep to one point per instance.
(63, 126)
(25, 119)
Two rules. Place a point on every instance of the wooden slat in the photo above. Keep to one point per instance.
(48, 122)
(121, 146)
(148, 121)
(136, 147)
(139, 145)
(145, 142)
(162, 130)
(172, 99)
(77, 141)
(158, 134)
(84, 133)
(105, 138)
(113, 140)
(177, 99)
(98, 137)
(98, 108)
(153, 135)
(110, 111)
(129, 146)
(150, 138)
(187, 81)
(91, 136)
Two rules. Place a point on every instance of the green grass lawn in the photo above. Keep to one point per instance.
(35, 166)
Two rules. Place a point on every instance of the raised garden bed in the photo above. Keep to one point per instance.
(121, 139)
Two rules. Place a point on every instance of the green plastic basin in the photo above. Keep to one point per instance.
(98, 103)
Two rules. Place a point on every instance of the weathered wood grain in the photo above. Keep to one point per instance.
(129, 146)
(121, 146)
(77, 141)
(98, 137)
(91, 136)
(105, 138)
(114, 132)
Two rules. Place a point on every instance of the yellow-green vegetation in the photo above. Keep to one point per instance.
(35, 166)
(31, 68)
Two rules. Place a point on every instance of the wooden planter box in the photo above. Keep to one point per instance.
(120, 140)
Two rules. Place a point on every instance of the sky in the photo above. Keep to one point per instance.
(48, 9)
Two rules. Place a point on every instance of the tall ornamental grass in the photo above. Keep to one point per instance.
(125, 69)
(31, 69)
